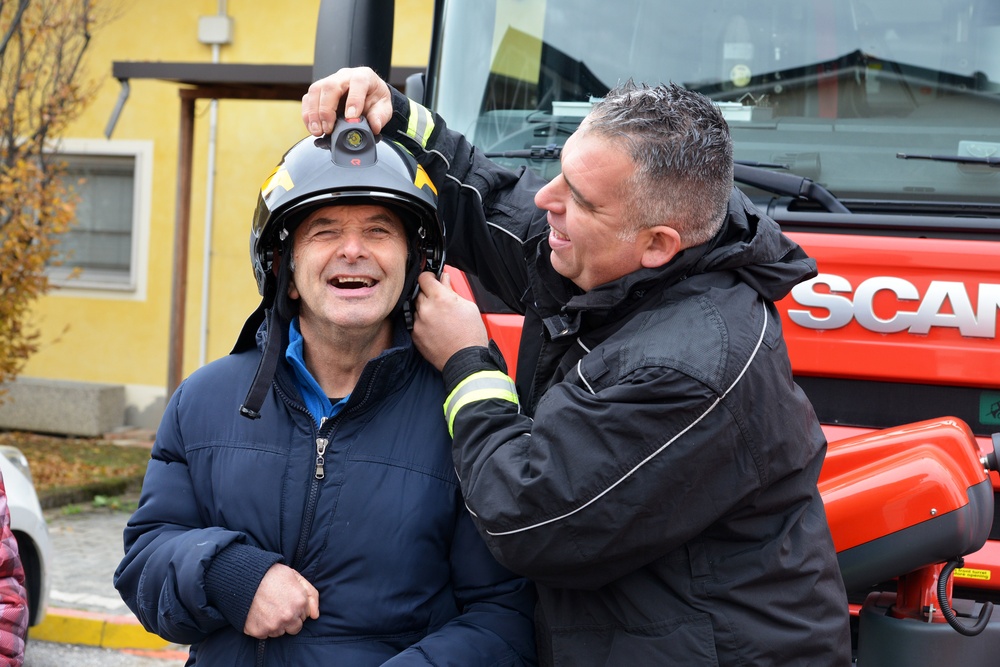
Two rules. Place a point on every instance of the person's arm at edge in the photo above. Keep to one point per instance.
(13, 596)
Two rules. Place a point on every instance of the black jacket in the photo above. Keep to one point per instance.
(658, 480)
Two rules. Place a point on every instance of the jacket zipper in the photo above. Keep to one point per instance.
(323, 438)
(321, 444)
(259, 658)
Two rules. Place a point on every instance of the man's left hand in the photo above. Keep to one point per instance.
(445, 322)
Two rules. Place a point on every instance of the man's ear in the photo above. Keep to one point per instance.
(660, 244)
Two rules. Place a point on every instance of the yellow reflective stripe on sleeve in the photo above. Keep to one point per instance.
(420, 125)
(481, 386)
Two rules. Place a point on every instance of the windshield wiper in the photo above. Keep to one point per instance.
(960, 159)
(756, 174)
(786, 184)
(546, 152)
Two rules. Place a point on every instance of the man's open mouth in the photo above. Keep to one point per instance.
(353, 282)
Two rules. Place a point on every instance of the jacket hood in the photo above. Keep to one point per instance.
(752, 245)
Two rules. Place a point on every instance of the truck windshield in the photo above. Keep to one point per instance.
(835, 92)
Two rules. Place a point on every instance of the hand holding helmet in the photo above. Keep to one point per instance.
(359, 90)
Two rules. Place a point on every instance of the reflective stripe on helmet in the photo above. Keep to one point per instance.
(481, 386)
(420, 179)
(279, 176)
(421, 124)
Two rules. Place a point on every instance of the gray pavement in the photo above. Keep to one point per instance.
(84, 608)
(87, 548)
(52, 654)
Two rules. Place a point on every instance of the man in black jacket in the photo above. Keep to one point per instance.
(654, 471)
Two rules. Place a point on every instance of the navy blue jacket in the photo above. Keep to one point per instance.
(403, 577)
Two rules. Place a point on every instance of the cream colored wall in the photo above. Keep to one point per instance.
(123, 339)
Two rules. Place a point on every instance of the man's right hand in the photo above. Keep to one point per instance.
(357, 90)
(283, 602)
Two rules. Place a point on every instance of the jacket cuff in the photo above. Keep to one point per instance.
(232, 579)
(471, 360)
(400, 112)
(411, 123)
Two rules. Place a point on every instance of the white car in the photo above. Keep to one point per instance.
(28, 525)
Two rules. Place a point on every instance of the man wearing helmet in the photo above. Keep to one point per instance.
(315, 519)
(654, 468)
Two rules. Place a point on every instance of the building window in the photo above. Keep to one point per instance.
(102, 249)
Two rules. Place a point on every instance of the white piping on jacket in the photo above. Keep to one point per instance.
(579, 367)
(488, 223)
(479, 196)
(649, 458)
(579, 371)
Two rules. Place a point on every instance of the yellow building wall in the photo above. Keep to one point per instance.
(116, 338)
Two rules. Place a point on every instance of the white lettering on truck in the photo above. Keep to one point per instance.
(929, 309)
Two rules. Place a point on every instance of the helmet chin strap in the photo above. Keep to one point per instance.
(269, 360)
(265, 370)
(408, 298)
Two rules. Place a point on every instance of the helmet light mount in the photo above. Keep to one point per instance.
(352, 143)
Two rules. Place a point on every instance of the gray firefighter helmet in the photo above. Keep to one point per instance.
(350, 165)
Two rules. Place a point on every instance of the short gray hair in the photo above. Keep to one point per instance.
(683, 154)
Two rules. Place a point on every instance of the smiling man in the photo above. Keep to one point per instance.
(317, 518)
(348, 267)
(655, 469)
